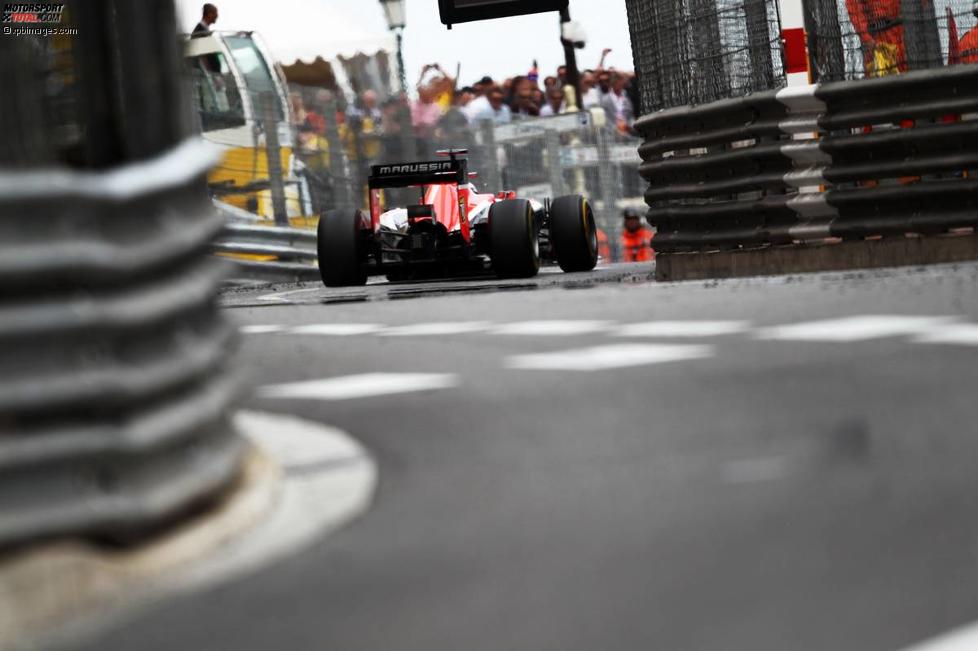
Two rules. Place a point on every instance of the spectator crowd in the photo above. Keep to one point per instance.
(443, 108)
(613, 91)
(443, 113)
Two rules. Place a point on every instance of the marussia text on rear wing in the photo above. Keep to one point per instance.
(402, 175)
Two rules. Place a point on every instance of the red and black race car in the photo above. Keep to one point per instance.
(452, 230)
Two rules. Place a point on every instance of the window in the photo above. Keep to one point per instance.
(258, 77)
(216, 92)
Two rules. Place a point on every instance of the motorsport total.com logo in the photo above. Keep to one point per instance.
(32, 12)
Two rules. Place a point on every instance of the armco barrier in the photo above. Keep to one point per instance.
(850, 160)
(114, 359)
(268, 252)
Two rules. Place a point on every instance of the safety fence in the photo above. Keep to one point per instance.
(114, 359)
(852, 39)
(698, 51)
(889, 156)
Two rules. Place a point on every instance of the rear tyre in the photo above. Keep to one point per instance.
(342, 250)
(514, 245)
(573, 233)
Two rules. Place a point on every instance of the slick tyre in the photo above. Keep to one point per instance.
(513, 238)
(342, 250)
(573, 233)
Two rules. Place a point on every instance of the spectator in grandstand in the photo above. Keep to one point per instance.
(367, 107)
(555, 103)
(501, 113)
(616, 104)
(464, 96)
(521, 99)
(604, 82)
(591, 93)
(539, 97)
(312, 116)
(298, 107)
(480, 87)
(507, 88)
(491, 106)
(428, 109)
(549, 82)
(453, 127)
(636, 238)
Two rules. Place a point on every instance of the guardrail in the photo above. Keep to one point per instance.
(268, 252)
(846, 160)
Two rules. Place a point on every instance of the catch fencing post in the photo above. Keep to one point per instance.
(490, 163)
(337, 161)
(273, 154)
(922, 42)
(610, 189)
(552, 140)
(759, 40)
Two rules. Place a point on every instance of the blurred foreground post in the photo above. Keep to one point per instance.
(114, 386)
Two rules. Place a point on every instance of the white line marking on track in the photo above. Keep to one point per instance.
(554, 328)
(260, 329)
(601, 358)
(337, 329)
(962, 639)
(682, 329)
(359, 386)
(962, 334)
(436, 329)
(856, 328)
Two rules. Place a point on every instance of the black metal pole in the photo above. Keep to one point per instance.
(400, 60)
(573, 74)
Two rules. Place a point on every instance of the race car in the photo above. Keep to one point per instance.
(452, 230)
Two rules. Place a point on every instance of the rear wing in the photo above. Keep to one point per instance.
(403, 175)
